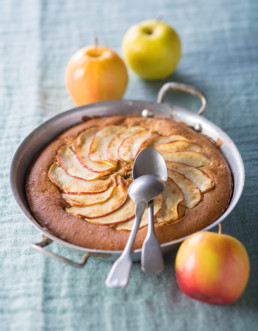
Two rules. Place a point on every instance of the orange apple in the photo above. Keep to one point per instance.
(212, 267)
(96, 73)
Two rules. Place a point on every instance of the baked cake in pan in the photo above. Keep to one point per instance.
(77, 186)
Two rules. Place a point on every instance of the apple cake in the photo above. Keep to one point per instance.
(77, 186)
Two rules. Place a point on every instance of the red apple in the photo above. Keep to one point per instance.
(212, 267)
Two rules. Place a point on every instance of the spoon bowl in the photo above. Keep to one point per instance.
(146, 188)
(150, 161)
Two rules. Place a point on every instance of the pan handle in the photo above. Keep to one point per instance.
(183, 88)
(40, 247)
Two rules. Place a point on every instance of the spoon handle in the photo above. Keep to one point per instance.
(151, 258)
(120, 272)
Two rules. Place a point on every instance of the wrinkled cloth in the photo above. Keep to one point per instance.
(220, 57)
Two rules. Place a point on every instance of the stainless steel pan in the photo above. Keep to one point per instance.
(47, 131)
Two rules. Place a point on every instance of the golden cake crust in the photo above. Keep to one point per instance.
(48, 206)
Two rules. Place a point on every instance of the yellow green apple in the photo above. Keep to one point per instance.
(212, 267)
(95, 73)
(152, 49)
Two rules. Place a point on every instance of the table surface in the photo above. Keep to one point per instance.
(220, 57)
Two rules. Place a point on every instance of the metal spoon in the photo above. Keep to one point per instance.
(141, 191)
(151, 257)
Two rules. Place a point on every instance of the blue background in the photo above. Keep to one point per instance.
(220, 57)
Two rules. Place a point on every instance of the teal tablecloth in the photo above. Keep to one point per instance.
(220, 56)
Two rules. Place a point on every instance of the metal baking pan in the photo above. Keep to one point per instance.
(47, 131)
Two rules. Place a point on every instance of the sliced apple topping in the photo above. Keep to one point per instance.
(83, 200)
(158, 140)
(115, 202)
(73, 167)
(82, 148)
(195, 159)
(172, 196)
(192, 195)
(197, 176)
(108, 153)
(115, 142)
(131, 146)
(100, 142)
(127, 226)
(178, 145)
(123, 214)
(68, 184)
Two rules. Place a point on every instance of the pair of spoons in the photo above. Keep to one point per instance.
(149, 177)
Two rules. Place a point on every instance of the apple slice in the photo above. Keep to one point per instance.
(158, 140)
(127, 226)
(123, 214)
(178, 145)
(197, 176)
(115, 202)
(115, 142)
(73, 167)
(83, 200)
(181, 211)
(131, 146)
(192, 195)
(100, 142)
(71, 185)
(82, 147)
(195, 159)
(173, 197)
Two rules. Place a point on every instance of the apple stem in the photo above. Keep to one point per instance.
(220, 228)
(96, 42)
